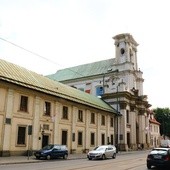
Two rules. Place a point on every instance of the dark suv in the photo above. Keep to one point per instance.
(159, 157)
(52, 151)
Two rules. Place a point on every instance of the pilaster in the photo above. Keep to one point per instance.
(7, 121)
(36, 125)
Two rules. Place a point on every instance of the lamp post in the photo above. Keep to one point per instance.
(117, 110)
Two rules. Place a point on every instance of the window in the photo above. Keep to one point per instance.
(80, 115)
(111, 121)
(21, 135)
(93, 118)
(103, 139)
(45, 127)
(127, 116)
(92, 139)
(24, 103)
(88, 91)
(111, 138)
(103, 120)
(65, 112)
(99, 91)
(80, 138)
(47, 109)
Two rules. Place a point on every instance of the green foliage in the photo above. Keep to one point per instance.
(162, 115)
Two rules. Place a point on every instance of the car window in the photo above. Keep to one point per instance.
(48, 147)
(110, 148)
(100, 148)
(57, 147)
(159, 151)
(63, 147)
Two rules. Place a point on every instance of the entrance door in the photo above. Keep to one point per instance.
(128, 140)
(64, 137)
(45, 139)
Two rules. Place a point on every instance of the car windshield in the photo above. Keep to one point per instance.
(159, 151)
(99, 148)
(48, 147)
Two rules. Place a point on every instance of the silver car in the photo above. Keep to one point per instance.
(102, 152)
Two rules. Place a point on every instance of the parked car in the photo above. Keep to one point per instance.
(102, 152)
(165, 143)
(158, 157)
(52, 151)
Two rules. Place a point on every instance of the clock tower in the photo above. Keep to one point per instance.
(126, 50)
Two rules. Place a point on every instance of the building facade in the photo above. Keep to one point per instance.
(36, 111)
(153, 129)
(119, 82)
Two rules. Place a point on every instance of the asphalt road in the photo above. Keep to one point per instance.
(131, 161)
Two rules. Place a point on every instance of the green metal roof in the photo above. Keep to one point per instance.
(18, 75)
(85, 70)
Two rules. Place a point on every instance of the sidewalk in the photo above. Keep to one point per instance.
(32, 159)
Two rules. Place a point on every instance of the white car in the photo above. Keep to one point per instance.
(102, 152)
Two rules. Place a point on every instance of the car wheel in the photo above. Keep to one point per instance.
(65, 156)
(48, 157)
(37, 157)
(114, 156)
(149, 166)
(103, 157)
(90, 158)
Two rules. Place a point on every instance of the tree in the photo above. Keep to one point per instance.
(162, 115)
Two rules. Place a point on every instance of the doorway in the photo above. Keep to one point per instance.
(45, 139)
(128, 139)
(64, 137)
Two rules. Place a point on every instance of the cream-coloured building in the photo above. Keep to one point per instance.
(35, 111)
(153, 129)
(119, 82)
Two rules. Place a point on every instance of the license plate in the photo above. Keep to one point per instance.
(157, 156)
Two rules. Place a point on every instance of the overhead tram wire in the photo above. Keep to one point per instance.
(36, 54)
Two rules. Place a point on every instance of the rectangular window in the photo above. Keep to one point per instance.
(111, 121)
(99, 91)
(103, 139)
(92, 118)
(80, 115)
(21, 140)
(65, 112)
(103, 120)
(127, 116)
(111, 138)
(80, 138)
(45, 127)
(24, 103)
(92, 139)
(47, 109)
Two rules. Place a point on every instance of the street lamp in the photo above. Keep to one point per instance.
(117, 116)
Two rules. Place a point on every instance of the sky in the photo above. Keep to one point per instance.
(47, 35)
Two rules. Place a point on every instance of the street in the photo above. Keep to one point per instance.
(128, 161)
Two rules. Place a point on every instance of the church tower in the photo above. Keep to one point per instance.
(126, 50)
(126, 62)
